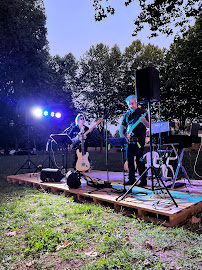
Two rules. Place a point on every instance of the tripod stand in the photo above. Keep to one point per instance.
(28, 162)
(153, 169)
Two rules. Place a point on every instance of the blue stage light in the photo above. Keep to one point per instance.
(46, 113)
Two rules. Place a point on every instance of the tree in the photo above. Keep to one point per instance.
(138, 56)
(182, 77)
(23, 47)
(97, 91)
(161, 15)
(97, 83)
(62, 83)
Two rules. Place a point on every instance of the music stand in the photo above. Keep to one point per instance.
(63, 139)
(120, 142)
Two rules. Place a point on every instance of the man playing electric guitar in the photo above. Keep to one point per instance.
(134, 123)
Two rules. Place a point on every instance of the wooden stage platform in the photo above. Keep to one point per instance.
(142, 202)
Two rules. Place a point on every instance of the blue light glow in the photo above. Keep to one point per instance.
(46, 113)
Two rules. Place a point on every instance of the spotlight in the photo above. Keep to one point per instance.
(58, 115)
(46, 113)
(52, 114)
(37, 112)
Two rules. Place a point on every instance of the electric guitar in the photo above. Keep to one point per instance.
(90, 129)
(131, 127)
(82, 163)
(75, 141)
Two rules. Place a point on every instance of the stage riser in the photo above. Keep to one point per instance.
(129, 206)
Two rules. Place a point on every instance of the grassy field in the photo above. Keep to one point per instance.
(39, 230)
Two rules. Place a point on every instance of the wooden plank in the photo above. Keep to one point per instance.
(163, 211)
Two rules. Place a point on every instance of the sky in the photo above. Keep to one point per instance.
(72, 28)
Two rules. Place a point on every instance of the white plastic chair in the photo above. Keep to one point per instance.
(164, 167)
(167, 166)
(155, 158)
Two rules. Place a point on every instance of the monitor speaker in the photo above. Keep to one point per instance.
(73, 180)
(194, 129)
(147, 85)
(51, 175)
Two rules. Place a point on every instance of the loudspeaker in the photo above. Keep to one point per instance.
(73, 181)
(147, 85)
(194, 129)
(51, 175)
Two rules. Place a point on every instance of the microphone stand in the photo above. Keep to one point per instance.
(106, 144)
(50, 161)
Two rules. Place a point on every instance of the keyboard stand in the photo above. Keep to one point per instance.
(179, 165)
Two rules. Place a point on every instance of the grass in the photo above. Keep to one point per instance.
(55, 232)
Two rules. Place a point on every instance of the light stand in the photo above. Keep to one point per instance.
(28, 162)
(153, 169)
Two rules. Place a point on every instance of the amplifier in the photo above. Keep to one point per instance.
(51, 175)
(162, 126)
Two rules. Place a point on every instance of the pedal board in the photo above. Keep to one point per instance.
(96, 182)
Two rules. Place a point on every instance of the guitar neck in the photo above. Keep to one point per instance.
(137, 122)
(90, 129)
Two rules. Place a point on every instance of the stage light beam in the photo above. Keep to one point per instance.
(37, 112)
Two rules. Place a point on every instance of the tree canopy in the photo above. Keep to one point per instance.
(23, 46)
(182, 77)
(161, 15)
